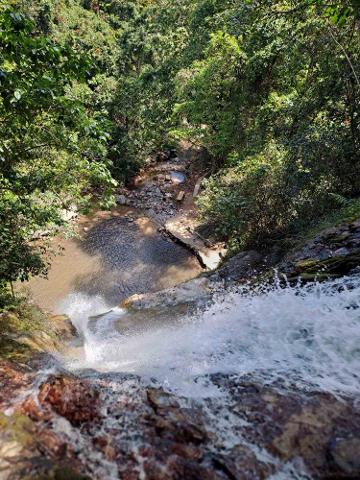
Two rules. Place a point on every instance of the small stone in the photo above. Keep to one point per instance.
(177, 177)
(121, 199)
(345, 453)
(341, 252)
(181, 196)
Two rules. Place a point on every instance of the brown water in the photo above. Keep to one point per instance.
(118, 254)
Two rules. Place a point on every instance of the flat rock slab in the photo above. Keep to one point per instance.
(194, 292)
(183, 230)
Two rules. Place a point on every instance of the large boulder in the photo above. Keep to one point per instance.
(332, 253)
(242, 266)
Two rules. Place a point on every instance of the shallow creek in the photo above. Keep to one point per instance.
(118, 254)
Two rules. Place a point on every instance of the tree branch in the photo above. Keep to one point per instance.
(346, 55)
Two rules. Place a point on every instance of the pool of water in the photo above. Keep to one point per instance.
(118, 254)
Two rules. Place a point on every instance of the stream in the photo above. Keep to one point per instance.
(217, 388)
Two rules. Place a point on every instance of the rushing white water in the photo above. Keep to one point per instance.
(309, 336)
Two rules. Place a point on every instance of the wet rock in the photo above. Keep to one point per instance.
(13, 378)
(334, 252)
(345, 453)
(189, 452)
(33, 410)
(291, 424)
(177, 438)
(104, 444)
(160, 399)
(53, 471)
(177, 468)
(71, 398)
(192, 293)
(242, 464)
(63, 327)
(242, 265)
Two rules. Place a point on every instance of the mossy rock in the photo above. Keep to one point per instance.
(10, 349)
(17, 428)
(61, 473)
(339, 265)
(26, 330)
(312, 277)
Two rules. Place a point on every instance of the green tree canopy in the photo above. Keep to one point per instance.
(52, 151)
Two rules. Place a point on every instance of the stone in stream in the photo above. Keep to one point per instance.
(121, 200)
(180, 197)
(345, 453)
(194, 293)
(177, 177)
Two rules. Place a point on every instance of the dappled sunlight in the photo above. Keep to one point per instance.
(118, 253)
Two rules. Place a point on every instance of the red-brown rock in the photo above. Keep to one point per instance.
(71, 398)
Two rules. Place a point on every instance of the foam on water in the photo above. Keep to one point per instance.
(304, 335)
(79, 307)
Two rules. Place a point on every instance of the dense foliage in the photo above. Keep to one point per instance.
(270, 89)
(87, 87)
(276, 102)
(53, 146)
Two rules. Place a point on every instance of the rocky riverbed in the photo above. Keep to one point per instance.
(280, 418)
(166, 190)
(114, 426)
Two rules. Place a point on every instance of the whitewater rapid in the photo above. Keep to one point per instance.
(308, 336)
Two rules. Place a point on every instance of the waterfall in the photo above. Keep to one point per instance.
(304, 335)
